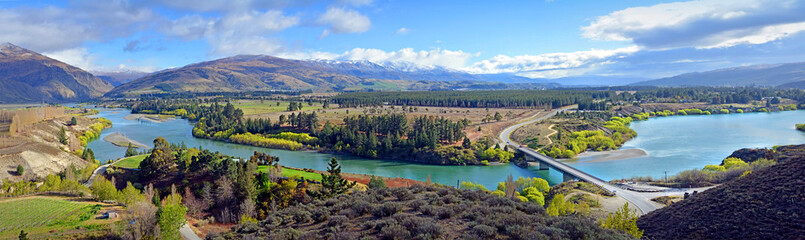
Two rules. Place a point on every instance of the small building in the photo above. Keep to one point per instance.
(111, 214)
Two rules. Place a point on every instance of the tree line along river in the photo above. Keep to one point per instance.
(673, 144)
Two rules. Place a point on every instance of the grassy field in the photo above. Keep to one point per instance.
(130, 162)
(42, 214)
(287, 172)
(254, 107)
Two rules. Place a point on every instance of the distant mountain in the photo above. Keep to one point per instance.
(260, 73)
(595, 81)
(765, 204)
(758, 75)
(119, 78)
(27, 76)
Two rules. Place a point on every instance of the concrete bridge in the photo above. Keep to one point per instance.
(641, 202)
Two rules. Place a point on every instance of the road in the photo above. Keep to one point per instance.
(640, 201)
(185, 231)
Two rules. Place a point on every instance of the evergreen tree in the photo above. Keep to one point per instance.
(466, 143)
(62, 136)
(131, 151)
(332, 183)
(73, 121)
(498, 117)
(23, 235)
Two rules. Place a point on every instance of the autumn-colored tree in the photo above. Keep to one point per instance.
(623, 219)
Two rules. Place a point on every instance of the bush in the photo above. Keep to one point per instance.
(20, 170)
(321, 215)
(395, 232)
(337, 221)
(376, 183)
(484, 231)
(386, 209)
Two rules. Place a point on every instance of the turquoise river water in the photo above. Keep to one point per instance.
(673, 144)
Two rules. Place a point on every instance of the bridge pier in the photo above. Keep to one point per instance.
(567, 177)
(543, 165)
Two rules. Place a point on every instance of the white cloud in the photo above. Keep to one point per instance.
(403, 31)
(53, 28)
(235, 33)
(342, 20)
(550, 64)
(80, 57)
(701, 23)
(435, 57)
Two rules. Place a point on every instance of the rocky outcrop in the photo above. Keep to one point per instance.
(781, 154)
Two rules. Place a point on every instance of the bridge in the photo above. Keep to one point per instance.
(641, 202)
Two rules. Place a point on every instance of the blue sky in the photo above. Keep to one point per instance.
(539, 39)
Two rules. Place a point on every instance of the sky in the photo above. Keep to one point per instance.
(537, 39)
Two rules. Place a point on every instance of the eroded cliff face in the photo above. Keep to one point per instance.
(38, 150)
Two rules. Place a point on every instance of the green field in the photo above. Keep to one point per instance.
(255, 107)
(130, 162)
(32, 213)
(287, 172)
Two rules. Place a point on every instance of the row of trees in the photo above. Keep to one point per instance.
(503, 98)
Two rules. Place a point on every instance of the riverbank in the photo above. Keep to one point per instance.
(612, 155)
(121, 140)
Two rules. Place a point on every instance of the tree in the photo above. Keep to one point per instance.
(159, 162)
(376, 183)
(20, 170)
(62, 136)
(88, 155)
(23, 235)
(466, 143)
(775, 101)
(103, 189)
(498, 117)
(129, 195)
(332, 183)
(73, 121)
(170, 216)
(625, 220)
(131, 151)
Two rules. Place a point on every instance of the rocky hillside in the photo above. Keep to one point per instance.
(419, 212)
(766, 204)
(26, 76)
(263, 73)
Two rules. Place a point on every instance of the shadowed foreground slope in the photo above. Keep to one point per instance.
(420, 212)
(767, 204)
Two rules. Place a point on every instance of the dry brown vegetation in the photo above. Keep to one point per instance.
(542, 131)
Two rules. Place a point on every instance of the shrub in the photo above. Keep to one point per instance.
(337, 221)
(300, 215)
(376, 183)
(395, 232)
(484, 231)
(444, 212)
(402, 194)
(386, 209)
(20, 170)
(321, 215)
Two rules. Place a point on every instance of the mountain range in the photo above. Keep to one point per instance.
(789, 75)
(260, 72)
(27, 76)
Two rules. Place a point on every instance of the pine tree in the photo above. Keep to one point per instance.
(62, 136)
(131, 151)
(73, 121)
(332, 183)
(466, 143)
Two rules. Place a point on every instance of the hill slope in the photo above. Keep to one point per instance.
(767, 204)
(420, 212)
(262, 73)
(758, 75)
(26, 76)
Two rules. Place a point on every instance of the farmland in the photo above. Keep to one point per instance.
(40, 214)
(253, 107)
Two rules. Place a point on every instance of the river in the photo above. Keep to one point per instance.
(179, 130)
(678, 143)
(673, 144)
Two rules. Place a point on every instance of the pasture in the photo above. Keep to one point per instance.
(132, 162)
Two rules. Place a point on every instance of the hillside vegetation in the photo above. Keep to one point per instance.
(419, 212)
(765, 204)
